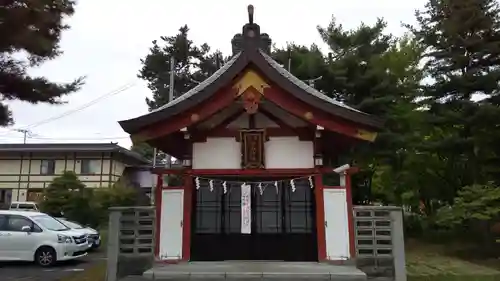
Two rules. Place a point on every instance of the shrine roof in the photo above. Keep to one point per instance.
(251, 48)
(201, 86)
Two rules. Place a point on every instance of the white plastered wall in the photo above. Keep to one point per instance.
(280, 153)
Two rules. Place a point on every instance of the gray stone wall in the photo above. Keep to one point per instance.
(379, 241)
(131, 241)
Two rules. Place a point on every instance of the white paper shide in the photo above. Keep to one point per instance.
(246, 208)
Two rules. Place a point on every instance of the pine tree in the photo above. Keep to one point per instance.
(355, 76)
(306, 63)
(33, 28)
(193, 64)
(378, 74)
(462, 39)
(59, 195)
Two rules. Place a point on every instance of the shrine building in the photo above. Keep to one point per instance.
(255, 143)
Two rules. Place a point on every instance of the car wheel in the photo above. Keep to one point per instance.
(45, 256)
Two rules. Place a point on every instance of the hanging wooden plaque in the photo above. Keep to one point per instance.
(252, 149)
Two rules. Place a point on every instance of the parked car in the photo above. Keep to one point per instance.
(24, 206)
(38, 237)
(93, 236)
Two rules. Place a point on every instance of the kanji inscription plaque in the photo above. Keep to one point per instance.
(252, 149)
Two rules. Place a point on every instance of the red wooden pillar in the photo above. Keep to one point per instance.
(186, 224)
(320, 216)
(319, 196)
(350, 211)
(158, 197)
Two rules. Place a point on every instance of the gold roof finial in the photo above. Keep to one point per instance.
(250, 14)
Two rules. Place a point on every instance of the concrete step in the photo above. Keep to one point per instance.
(252, 270)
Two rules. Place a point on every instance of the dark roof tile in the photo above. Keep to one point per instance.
(72, 147)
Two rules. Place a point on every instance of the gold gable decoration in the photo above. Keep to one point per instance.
(251, 89)
(250, 79)
(366, 135)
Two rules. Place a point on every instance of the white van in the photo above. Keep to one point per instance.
(38, 237)
(24, 206)
(93, 236)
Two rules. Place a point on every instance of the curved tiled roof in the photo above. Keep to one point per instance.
(301, 84)
(191, 93)
(249, 49)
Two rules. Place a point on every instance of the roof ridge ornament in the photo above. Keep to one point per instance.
(250, 13)
(250, 38)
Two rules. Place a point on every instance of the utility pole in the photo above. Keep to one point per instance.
(170, 98)
(171, 95)
(25, 132)
(155, 151)
(310, 82)
(289, 60)
(172, 76)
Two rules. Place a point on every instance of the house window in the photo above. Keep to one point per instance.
(3, 195)
(48, 167)
(90, 167)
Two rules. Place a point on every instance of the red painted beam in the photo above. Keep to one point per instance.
(304, 133)
(158, 201)
(320, 217)
(350, 210)
(248, 172)
(189, 118)
(186, 224)
(256, 172)
(350, 215)
(309, 113)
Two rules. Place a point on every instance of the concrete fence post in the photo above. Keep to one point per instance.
(399, 245)
(380, 241)
(131, 241)
(113, 245)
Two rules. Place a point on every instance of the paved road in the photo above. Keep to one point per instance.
(31, 272)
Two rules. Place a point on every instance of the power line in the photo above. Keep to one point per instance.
(25, 132)
(92, 102)
(71, 138)
(77, 109)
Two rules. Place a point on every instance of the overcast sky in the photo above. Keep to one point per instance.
(108, 38)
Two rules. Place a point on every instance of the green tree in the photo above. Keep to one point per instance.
(354, 58)
(306, 63)
(119, 195)
(462, 41)
(143, 149)
(378, 74)
(60, 194)
(33, 29)
(67, 196)
(475, 210)
(193, 64)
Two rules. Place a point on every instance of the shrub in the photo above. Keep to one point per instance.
(473, 215)
(67, 196)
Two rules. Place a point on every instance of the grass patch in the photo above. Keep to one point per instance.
(104, 238)
(431, 263)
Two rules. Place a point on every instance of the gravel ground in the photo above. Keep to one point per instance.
(31, 272)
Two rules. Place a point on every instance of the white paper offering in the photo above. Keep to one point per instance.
(246, 209)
